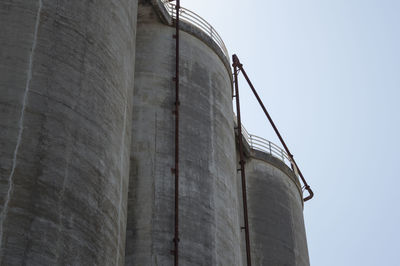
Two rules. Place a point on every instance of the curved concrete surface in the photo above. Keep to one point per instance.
(275, 207)
(209, 226)
(66, 84)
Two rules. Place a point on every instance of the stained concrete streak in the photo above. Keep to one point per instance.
(4, 212)
(60, 206)
(122, 158)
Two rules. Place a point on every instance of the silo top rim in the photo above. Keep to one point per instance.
(194, 20)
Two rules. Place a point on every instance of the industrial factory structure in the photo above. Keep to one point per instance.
(119, 144)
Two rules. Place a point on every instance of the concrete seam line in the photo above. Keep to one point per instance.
(20, 126)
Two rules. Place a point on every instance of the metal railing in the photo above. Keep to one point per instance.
(264, 145)
(261, 144)
(192, 18)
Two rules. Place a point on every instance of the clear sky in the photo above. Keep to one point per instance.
(329, 73)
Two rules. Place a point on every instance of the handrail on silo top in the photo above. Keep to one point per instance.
(261, 144)
(194, 19)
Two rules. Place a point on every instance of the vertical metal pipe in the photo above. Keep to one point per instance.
(176, 112)
(307, 187)
(241, 162)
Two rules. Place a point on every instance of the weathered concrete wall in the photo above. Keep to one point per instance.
(66, 85)
(277, 232)
(209, 226)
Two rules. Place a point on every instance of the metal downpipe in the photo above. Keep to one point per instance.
(242, 163)
(176, 113)
(306, 186)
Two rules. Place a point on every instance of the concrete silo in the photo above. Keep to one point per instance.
(87, 137)
(66, 84)
(209, 226)
(275, 206)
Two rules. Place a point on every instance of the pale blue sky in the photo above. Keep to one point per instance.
(329, 74)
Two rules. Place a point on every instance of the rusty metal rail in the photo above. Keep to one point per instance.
(242, 164)
(237, 65)
(194, 19)
(175, 112)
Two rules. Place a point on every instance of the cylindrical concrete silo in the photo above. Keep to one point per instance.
(66, 84)
(209, 226)
(275, 208)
